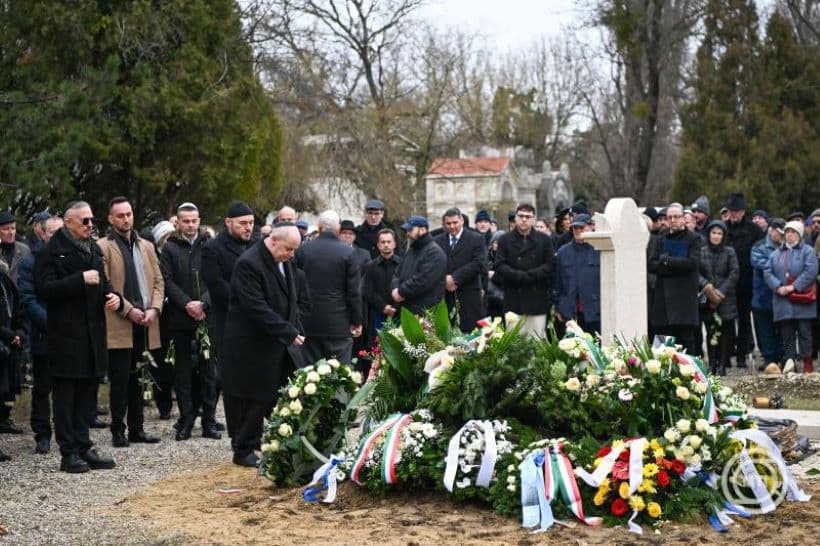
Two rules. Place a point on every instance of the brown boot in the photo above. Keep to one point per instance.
(807, 365)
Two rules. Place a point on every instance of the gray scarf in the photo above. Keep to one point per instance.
(83, 244)
(142, 283)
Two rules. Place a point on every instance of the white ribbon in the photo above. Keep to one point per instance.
(327, 470)
(488, 457)
(634, 527)
(604, 468)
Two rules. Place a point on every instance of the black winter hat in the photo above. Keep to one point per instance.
(736, 201)
(238, 209)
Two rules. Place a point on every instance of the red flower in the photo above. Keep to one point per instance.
(618, 507)
(678, 467)
(620, 470)
(362, 353)
(663, 478)
(624, 456)
(603, 452)
(377, 350)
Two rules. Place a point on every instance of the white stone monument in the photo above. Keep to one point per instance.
(621, 236)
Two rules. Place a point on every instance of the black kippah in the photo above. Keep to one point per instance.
(238, 209)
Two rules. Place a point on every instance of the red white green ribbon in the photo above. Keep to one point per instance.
(366, 446)
(710, 412)
(562, 470)
(390, 450)
(594, 355)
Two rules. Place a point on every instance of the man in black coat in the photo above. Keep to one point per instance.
(219, 256)
(742, 236)
(35, 310)
(189, 305)
(367, 233)
(466, 265)
(523, 266)
(675, 262)
(263, 335)
(333, 278)
(420, 278)
(71, 281)
(376, 283)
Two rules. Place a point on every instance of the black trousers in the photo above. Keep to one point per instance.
(41, 398)
(745, 341)
(244, 420)
(795, 336)
(74, 400)
(163, 381)
(317, 348)
(125, 393)
(194, 381)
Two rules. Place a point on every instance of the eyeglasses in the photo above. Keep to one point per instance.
(87, 221)
(815, 222)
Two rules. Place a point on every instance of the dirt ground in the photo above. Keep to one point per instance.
(192, 506)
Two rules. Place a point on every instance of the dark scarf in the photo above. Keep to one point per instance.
(83, 244)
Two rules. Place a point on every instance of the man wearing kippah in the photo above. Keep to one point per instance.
(218, 258)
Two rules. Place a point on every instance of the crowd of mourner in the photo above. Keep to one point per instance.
(177, 312)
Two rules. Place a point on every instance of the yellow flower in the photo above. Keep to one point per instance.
(657, 453)
(623, 490)
(636, 503)
(605, 486)
(654, 445)
(597, 462)
(654, 509)
(647, 487)
(600, 498)
(650, 469)
(616, 444)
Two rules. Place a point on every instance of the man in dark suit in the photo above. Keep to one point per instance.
(263, 334)
(335, 293)
(71, 281)
(378, 275)
(219, 256)
(466, 264)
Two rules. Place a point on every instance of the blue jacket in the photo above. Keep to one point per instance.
(802, 267)
(34, 309)
(761, 293)
(578, 277)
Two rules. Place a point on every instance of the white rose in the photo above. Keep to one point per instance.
(294, 391)
(682, 393)
(669, 352)
(270, 447)
(284, 430)
(295, 407)
(572, 384)
(653, 366)
(323, 369)
(695, 460)
(285, 412)
(701, 425)
(593, 380)
(695, 441)
(310, 388)
(687, 451)
(333, 363)
(684, 425)
(672, 435)
(313, 377)
(567, 344)
(356, 377)
(686, 370)
(700, 387)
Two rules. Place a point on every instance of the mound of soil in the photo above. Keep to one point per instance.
(198, 509)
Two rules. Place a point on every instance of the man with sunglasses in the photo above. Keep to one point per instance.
(71, 280)
(524, 264)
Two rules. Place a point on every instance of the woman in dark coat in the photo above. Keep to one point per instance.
(719, 272)
(11, 337)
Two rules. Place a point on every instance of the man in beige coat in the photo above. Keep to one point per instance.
(132, 267)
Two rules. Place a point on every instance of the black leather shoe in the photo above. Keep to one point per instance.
(98, 423)
(4, 457)
(211, 432)
(250, 460)
(164, 415)
(102, 411)
(96, 461)
(118, 439)
(140, 437)
(42, 446)
(219, 426)
(183, 433)
(73, 464)
(7, 426)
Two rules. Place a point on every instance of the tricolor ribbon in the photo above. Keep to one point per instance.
(324, 479)
(488, 457)
(594, 355)
(544, 475)
(367, 443)
(390, 450)
(710, 412)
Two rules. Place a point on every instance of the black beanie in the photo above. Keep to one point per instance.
(238, 209)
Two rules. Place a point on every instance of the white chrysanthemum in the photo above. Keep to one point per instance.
(653, 366)
(310, 388)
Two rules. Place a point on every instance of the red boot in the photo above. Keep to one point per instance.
(807, 365)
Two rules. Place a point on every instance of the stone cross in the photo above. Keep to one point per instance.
(621, 236)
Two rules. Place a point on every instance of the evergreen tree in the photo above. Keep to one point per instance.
(155, 100)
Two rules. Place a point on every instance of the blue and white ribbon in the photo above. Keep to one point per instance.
(324, 479)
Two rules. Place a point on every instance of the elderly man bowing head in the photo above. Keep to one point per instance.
(263, 335)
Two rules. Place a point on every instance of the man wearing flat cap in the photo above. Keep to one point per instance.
(12, 252)
(367, 233)
(578, 278)
(420, 278)
(219, 256)
(742, 236)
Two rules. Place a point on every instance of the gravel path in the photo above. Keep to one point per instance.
(39, 505)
